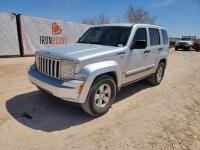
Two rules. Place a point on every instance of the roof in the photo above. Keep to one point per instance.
(116, 24)
(128, 25)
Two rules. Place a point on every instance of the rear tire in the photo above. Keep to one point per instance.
(100, 97)
(157, 77)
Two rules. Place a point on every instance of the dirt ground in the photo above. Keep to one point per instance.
(165, 117)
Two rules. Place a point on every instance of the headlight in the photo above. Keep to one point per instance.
(67, 69)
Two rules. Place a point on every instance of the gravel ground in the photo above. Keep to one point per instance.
(164, 117)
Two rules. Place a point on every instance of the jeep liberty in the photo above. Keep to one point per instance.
(105, 58)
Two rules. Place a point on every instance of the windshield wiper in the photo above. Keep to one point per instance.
(111, 44)
(99, 43)
(96, 43)
(83, 42)
(107, 44)
(88, 42)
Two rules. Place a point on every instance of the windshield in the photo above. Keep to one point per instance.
(111, 36)
(186, 39)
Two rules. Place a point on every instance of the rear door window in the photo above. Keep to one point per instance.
(154, 37)
(165, 37)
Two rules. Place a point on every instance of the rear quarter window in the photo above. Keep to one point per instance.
(154, 36)
(165, 37)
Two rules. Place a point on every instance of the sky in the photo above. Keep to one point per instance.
(181, 17)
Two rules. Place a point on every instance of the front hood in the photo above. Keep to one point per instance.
(80, 51)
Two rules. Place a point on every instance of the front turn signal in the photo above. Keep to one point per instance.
(80, 89)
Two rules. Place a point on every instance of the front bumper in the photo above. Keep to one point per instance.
(67, 90)
(183, 46)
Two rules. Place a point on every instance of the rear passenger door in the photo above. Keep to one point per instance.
(154, 45)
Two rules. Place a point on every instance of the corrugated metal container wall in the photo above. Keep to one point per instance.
(9, 44)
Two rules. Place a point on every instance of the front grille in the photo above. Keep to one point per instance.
(182, 43)
(48, 66)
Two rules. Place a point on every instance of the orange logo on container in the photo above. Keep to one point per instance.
(55, 38)
(56, 29)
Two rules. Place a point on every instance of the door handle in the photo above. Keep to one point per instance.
(160, 49)
(147, 51)
(120, 53)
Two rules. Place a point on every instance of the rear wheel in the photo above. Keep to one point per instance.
(101, 96)
(157, 77)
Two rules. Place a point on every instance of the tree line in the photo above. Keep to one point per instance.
(132, 15)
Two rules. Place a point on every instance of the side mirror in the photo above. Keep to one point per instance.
(140, 44)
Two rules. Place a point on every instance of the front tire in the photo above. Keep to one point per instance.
(100, 97)
(157, 77)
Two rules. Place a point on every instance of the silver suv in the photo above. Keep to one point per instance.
(104, 59)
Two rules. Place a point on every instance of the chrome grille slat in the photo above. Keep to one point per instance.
(55, 68)
(40, 65)
(38, 61)
(48, 66)
(51, 67)
(46, 60)
(44, 70)
(43, 65)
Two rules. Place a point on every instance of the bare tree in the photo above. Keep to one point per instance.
(100, 19)
(89, 21)
(119, 20)
(139, 15)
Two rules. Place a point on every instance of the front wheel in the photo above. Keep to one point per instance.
(157, 77)
(101, 96)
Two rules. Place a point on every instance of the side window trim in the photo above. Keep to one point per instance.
(148, 37)
(161, 38)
